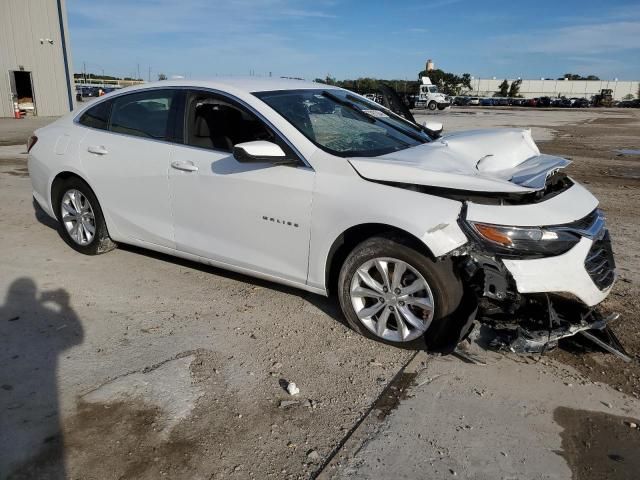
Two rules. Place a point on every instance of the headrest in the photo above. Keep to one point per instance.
(201, 129)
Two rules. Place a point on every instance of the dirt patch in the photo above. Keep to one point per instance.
(613, 180)
(599, 446)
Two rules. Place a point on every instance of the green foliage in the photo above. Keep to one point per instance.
(574, 76)
(628, 96)
(370, 85)
(503, 89)
(448, 83)
(514, 90)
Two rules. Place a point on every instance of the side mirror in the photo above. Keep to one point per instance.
(261, 151)
(433, 129)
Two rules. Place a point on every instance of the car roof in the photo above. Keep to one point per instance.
(244, 84)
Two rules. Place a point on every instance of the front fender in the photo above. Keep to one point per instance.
(341, 203)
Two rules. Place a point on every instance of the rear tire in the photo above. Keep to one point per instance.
(442, 106)
(384, 310)
(80, 218)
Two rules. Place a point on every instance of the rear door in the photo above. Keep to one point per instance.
(127, 161)
(253, 216)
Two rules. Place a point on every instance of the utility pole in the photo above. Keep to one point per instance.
(138, 77)
(149, 77)
(84, 71)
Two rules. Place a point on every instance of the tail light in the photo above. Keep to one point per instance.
(31, 142)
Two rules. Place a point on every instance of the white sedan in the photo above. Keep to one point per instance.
(319, 188)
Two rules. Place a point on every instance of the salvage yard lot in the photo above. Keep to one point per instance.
(137, 365)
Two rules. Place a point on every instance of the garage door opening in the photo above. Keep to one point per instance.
(22, 89)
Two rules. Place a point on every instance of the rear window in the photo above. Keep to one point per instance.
(144, 114)
(98, 116)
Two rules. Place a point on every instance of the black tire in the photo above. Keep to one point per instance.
(101, 242)
(446, 287)
(432, 105)
(442, 106)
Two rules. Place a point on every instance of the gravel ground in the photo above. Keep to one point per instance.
(138, 365)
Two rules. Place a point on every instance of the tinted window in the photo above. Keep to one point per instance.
(97, 117)
(216, 123)
(144, 114)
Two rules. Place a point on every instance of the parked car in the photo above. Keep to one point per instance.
(530, 102)
(487, 102)
(581, 103)
(460, 101)
(629, 103)
(517, 102)
(473, 101)
(321, 189)
(544, 102)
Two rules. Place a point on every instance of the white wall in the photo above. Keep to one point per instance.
(554, 88)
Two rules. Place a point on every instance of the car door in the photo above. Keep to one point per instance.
(255, 217)
(127, 162)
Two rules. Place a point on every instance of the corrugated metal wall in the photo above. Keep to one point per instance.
(23, 23)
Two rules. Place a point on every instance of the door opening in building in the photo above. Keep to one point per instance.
(22, 89)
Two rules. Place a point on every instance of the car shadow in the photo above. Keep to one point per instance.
(329, 306)
(35, 329)
(42, 216)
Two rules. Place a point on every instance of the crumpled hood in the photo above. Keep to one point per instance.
(492, 160)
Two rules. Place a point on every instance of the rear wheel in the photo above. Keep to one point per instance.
(82, 223)
(442, 106)
(390, 292)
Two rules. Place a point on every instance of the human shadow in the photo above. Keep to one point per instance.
(34, 331)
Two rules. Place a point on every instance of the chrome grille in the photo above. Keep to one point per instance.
(600, 264)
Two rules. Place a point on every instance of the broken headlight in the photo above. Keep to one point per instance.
(523, 241)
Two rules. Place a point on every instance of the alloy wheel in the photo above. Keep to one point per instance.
(392, 299)
(78, 217)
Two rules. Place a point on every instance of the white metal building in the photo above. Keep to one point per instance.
(35, 60)
(486, 87)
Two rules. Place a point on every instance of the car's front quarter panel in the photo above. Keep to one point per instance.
(343, 200)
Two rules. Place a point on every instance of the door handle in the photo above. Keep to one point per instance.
(98, 150)
(184, 166)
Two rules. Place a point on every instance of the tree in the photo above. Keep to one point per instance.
(448, 83)
(574, 76)
(628, 96)
(162, 76)
(503, 89)
(514, 90)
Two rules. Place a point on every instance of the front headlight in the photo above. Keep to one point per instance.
(523, 241)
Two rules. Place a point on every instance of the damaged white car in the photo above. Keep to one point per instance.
(319, 188)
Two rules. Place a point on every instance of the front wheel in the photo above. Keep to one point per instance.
(432, 105)
(82, 223)
(393, 293)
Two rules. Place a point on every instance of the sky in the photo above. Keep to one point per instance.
(351, 39)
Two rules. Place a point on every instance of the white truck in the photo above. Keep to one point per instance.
(429, 96)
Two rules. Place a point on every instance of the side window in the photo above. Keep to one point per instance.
(214, 122)
(98, 116)
(143, 114)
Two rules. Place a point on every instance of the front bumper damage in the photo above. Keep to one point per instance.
(528, 305)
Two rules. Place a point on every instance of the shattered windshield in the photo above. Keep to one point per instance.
(344, 124)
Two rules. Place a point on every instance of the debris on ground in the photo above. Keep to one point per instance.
(293, 389)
